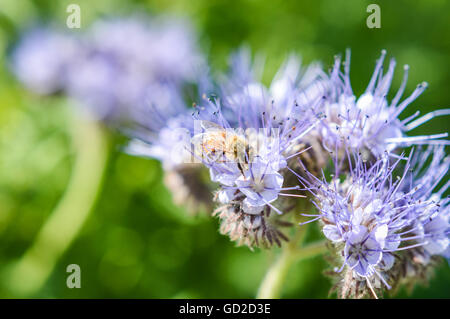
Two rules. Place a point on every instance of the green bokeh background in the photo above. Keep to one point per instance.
(136, 243)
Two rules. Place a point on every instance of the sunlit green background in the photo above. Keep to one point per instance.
(136, 243)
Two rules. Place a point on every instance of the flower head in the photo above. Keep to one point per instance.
(41, 59)
(247, 133)
(371, 122)
(118, 81)
(112, 80)
(433, 227)
(364, 249)
(373, 219)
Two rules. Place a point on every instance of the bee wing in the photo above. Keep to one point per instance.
(198, 139)
(207, 125)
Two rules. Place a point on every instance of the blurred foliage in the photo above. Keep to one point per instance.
(136, 243)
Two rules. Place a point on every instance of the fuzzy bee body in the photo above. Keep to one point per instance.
(222, 145)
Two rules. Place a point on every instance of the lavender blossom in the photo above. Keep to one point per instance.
(110, 79)
(374, 220)
(245, 135)
(260, 184)
(371, 122)
(167, 145)
(162, 130)
(429, 167)
(126, 73)
(41, 59)
(117, 80)
(293, 93)
(149, 48)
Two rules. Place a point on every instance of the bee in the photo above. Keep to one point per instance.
(222, 145)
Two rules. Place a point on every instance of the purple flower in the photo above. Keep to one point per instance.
(41, 59)
(113, 81)
(246, 159)
(97, 80)
(370, 217)
(260, 183)
(149, 48)
(246, 133)
(370, 121)
(436, 233)
(170, 145)
(243, 98)
(433, 227)
(364, 250)
(121, 81)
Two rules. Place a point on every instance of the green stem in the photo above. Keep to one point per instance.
(271, 285)
(29, 274)
(310, 250)
(273, 281)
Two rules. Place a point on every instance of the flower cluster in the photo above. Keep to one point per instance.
(370, 123)
(114, 67)
(263, 152)
(246, 136)
(126, 73)
(375, 220)
(41, 59)
(385, 226)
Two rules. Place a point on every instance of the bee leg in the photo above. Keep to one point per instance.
(240, 168)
